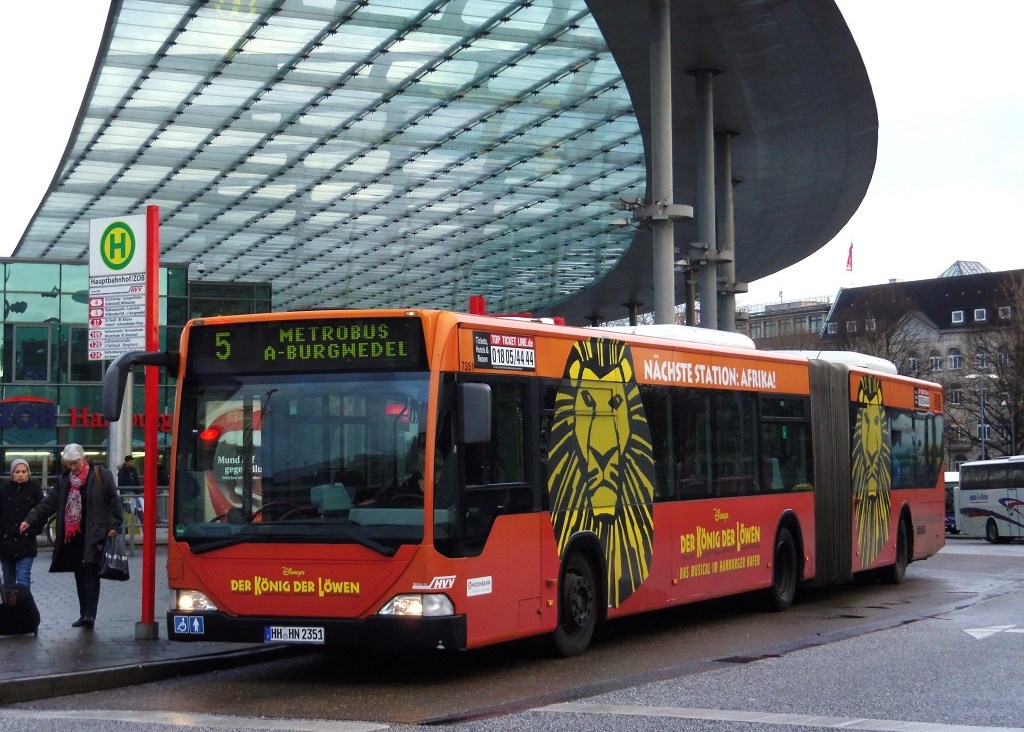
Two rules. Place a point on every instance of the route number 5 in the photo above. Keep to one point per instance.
(223, 346)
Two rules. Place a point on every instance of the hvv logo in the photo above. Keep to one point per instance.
(438, 583)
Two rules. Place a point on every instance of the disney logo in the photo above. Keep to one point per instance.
(289, 572)
(721, 515)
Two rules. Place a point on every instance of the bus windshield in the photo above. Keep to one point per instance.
(300, 458)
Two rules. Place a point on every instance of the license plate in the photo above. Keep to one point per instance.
(293, 634)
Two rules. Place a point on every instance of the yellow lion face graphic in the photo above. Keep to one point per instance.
(871, 470)
(601, 476)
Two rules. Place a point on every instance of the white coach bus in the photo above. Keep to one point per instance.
(990, 499)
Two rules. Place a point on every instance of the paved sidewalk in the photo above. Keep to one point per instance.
(65, 660)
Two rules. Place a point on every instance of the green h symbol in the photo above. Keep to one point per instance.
(118, 244)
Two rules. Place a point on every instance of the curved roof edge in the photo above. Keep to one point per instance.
(794, 86)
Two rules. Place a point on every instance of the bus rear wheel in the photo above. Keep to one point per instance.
(895, 572)
(577, 607)
(785, 572)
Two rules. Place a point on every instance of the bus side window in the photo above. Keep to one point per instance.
(477, 463)
(657, 408)
(735, 439)
(691, 441)
(495, 471)
(785, 437)
(502, 460)
(547, 418)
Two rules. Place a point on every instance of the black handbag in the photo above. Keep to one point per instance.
(114, 563)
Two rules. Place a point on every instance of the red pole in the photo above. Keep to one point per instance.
(152, 413)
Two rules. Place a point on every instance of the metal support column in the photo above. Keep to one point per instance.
(691, 296)
(705, 208)
(724, 182)
(663, 230)
(633, 309)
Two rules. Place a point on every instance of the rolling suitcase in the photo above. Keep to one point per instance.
(18, 611)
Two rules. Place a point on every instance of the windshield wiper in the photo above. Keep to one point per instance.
(366, 541)
(210, 546)
(387, 551)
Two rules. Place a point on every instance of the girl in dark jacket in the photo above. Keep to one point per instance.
(88, 510)
(18, 496)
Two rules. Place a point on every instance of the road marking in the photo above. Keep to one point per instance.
(797, 720)
(186, 719)
(981, 633)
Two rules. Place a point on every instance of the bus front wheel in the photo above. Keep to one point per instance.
(785, 570)
(577, 607)
(992, 533)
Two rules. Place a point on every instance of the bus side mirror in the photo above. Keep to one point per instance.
(116, 377)
(474, 409)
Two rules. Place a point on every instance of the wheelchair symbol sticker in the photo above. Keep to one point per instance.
(189, 624)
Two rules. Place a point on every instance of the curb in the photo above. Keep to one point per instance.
(100, 679)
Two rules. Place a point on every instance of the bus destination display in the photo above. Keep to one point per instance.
(307, 345)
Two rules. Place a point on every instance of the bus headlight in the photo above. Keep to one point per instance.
(431, 605)
(191, 601)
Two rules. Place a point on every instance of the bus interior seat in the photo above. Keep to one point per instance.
(734, 485)
(693, 488)
(330, 498)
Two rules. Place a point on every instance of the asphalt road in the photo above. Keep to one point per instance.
(940, 652)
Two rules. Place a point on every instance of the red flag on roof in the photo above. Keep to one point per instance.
(849, 259)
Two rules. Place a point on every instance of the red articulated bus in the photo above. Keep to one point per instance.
(431, 479)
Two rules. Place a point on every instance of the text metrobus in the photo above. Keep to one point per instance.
(572, 475)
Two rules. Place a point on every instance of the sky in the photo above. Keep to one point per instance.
(948, 79)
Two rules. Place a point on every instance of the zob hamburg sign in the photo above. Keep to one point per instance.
(117, 286)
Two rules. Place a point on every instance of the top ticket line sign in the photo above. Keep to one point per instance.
(117, 286)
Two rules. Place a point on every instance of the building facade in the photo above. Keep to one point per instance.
(961, 329)
(791, 325)
(50, 392)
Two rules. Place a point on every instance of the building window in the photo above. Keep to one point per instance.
(935, 361)
(871, 324)
(981, 360)
(833, 328)
(1004, 312)
(913, 364)
(31, 353)
(814, 324)
(755, 330)
(956, 395)
(984, 432)
(958, 317)
(80, 368)
(851, 326)
(980, 315)
(956, 359)
(1004, 355)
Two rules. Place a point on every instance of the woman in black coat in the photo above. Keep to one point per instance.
(88, 510)
(18, 496)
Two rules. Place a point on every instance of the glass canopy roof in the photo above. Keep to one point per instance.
(358, 153)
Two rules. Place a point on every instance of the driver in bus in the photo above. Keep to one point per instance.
(409, 492)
